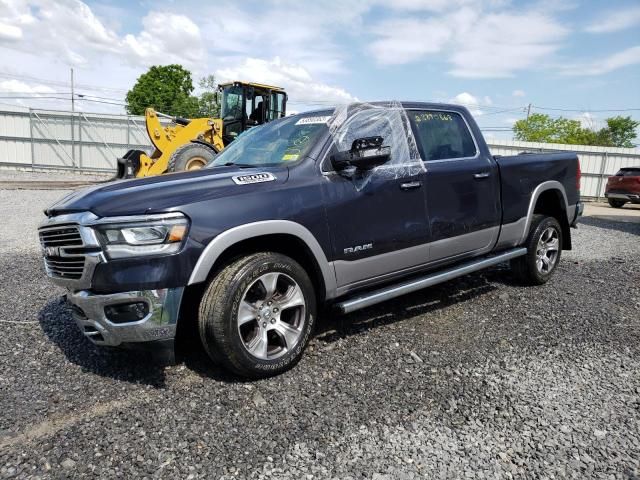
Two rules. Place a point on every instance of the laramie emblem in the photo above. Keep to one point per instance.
(253, 178)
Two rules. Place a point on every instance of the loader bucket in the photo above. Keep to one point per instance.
(129, 165)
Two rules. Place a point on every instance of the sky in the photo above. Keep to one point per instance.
(578, 59)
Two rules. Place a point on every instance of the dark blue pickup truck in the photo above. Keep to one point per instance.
(346, 207)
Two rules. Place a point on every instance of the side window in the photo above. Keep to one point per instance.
(442, 135)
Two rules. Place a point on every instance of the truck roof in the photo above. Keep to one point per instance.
(405, 104)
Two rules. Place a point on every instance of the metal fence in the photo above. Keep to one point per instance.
(596, 163)
(68, 141)
(79, 141)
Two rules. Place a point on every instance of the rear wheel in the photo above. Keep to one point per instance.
(256, 316)
(192, 156)
(544, 247)
(616, 203)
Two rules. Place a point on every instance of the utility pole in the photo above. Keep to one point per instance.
(73, 109)
(528, 111)
(73, 128)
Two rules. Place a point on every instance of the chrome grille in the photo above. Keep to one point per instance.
(65, 267)
(58, 245)
(66, 236)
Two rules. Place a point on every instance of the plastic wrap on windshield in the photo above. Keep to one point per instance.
(389, 121)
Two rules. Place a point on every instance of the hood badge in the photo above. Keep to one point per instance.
(253, 178)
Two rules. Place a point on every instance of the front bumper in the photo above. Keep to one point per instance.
(88, 311)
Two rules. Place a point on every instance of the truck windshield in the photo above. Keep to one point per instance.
(274, 143)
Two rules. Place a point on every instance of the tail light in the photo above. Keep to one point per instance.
(578, 176)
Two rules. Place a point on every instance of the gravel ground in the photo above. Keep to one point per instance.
(27, 176)
(475, 378)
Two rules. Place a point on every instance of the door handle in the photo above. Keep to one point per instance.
(481, 175)
(410, 185)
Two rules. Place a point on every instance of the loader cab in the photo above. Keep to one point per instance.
(245, 105)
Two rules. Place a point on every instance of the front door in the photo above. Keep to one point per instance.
(377, 218)
(462, 186)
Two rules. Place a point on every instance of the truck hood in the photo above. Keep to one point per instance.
(164, 192)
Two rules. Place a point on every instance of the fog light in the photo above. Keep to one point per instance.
(126, 312)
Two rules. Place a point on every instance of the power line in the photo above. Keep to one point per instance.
(59, 83)
(34, 93)
(587, 110)
(518, 109)
(102, 101)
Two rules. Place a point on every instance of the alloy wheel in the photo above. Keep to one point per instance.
(271, 316)
(547, 250)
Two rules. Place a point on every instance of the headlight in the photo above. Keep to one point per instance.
(135, 237)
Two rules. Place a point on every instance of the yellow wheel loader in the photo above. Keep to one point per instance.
(189, 144)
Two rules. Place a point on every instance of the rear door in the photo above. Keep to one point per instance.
(462, 186)
(377, 219)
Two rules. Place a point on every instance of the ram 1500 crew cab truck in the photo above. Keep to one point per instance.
(348, 208)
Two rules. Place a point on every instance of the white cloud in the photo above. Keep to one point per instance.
(9, 32)
(70, 30)
(478, 44)
(304, 33)
(166, 38)
(616, 21)
(587, 120)
(396, 43)
(518, 93)
(498, 45)
(428, 5)
(14, 14)
(16, 86)
(47, 36)
(471, 102)
(625, 58)
(298, 82)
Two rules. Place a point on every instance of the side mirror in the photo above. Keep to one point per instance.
(365, 154)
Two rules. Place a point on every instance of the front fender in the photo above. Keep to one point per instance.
(247, 231)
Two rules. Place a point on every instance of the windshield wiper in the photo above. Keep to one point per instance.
(234, 164)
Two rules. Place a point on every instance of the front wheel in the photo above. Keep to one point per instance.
(616, 203)
(544, 247)
(256, 316)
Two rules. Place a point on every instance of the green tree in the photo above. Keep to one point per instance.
(537, 128)
(622, 131)
(619, 132)
(209, 99)
(167, 89)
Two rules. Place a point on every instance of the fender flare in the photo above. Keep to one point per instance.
(230, 237)
(543, 187)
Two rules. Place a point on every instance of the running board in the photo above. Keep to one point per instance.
(384, 294)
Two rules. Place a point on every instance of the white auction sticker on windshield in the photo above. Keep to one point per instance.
(313, 120)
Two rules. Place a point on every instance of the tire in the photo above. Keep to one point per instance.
(540, 261)
(615, 203)
(191, 156)
(243, 314)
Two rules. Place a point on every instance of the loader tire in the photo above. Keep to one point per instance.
(192, 156)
